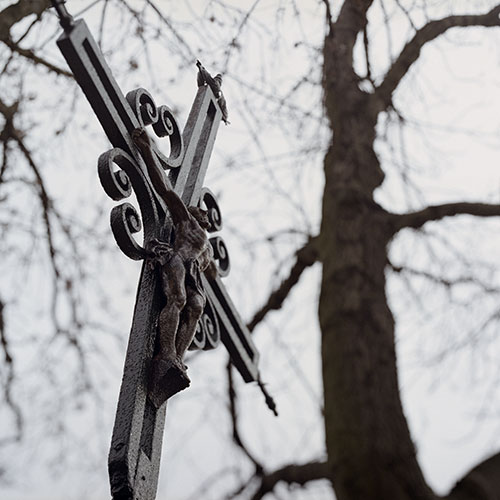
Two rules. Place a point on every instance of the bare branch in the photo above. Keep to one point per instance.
(7, 389)
(411, 51)
(367, 56)
(45, 201)
(8, 113)
(481, 483)
(234, 42)
(234, 421)
(298, 474)
(29, 54)
(328, 13)
(212, 482)
(11, 133)
(441, 280)
(306, 257)
(17, 12)
(189, 55)
(388, 33)
(407, 14)
(416, 220)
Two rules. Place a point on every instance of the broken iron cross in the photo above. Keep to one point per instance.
(134, 457)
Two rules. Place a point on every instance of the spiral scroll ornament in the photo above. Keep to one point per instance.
(121, 175)
(221, 255)
(125, 222)
(207, 335)
(164, 125)
(209, 203)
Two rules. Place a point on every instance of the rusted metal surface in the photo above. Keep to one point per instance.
(134, 456)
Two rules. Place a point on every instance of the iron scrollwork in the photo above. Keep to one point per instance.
(221, 254)
(209, 203)
(119, 183)
(163, 122)
(207, 334)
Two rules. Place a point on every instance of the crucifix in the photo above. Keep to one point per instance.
(136, 164)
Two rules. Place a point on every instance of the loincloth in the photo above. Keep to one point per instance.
(161, 252)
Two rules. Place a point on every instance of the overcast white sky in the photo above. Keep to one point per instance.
(266, 185)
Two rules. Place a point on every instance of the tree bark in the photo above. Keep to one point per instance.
(370, 451)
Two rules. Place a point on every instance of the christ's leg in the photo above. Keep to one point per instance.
(168, 376)
(193, 310)
(173, 276)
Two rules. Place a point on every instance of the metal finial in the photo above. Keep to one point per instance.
(215, 83)
(65, 18)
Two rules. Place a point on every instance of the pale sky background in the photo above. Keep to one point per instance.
(264, 184)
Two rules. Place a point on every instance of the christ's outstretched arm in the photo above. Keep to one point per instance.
(174, 204)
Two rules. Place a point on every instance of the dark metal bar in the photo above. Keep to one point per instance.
(234, 334)
(199, 138)
(134, 456)
(94, 77)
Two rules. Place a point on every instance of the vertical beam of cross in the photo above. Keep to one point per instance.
(134, 457)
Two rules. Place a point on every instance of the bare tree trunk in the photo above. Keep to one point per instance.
(370, 451)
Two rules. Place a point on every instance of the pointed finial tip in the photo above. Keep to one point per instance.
(271, 404)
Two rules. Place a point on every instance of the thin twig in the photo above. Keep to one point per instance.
(305, 257)
(234, 420)
(29, 54)
(292, 474)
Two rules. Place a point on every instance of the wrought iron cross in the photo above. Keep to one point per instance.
(134, 457)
